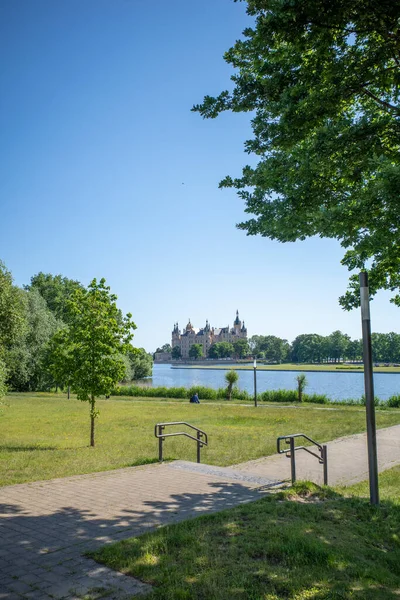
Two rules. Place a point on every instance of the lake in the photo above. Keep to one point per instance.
(337, 386)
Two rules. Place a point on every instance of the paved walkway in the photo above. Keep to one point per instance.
(46, 526)
(347, 460)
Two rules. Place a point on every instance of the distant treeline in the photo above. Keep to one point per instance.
(306, 348)
(314, 348)
(29, 317)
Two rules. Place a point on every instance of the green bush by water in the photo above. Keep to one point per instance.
(205, 393)
(292, 396)
(394, 401)
(283, 396)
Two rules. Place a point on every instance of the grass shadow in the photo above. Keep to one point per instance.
(27, 448)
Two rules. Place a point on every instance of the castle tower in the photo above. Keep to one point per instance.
(237, 324)
(176, 336)
(189, 326)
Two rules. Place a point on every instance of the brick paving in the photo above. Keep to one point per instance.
(46, 526)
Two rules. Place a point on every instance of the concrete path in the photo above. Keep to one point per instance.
(347, 460)
(46, 526)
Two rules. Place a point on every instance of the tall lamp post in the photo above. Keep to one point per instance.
(369, 390)
(255, 382)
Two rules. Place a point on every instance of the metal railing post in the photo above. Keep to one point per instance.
(198, 446)
(325, 458)
(160, 442)
(292, 460)
(201, 438)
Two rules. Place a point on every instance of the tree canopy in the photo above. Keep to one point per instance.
(141, 363)
(221, 350)
(26, 358)
(241, 348)
(56, 290)
(196, 351)
(321, 80)
(270, 347)
(12, 310)
(90, 348)
(176, 353)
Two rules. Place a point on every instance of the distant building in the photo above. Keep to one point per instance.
(207, 336)
(162, 357)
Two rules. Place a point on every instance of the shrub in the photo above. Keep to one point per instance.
(278, 396)
(394, 401)
(231, 378)
(301, 385)
(316, 398)
(363, 400)
(204, 393)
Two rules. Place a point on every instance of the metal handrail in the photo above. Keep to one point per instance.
(291, 452)
(158, 432)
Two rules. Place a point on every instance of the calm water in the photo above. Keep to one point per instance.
(337, 386)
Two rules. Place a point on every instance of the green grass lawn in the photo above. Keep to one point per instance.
(294, 367)
(45, 436)
(301, 544)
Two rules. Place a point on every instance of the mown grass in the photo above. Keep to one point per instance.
(45, 436)
(302, 544)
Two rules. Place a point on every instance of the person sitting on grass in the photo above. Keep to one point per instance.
(195, 398)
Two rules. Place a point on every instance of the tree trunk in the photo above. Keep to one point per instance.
(92, 418)
(68, 392)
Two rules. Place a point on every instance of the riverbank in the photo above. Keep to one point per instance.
(339, 368)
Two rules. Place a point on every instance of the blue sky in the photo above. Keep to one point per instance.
(106, 172)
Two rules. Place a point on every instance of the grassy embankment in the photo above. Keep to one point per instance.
(326, 367)
(301, 544)
(45, 436)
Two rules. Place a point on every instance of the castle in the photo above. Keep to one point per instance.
(207, 336)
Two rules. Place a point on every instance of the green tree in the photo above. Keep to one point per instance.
(196, 351)
(241, 348)
(321, 80)
(56, 290)
(307, 348)
(12, 310)
(393, 347)
(231, 378)
(93, 344)
(141, 363)
(3, 378)
(165, 348)
(354, 350)
(26, 358)
(221, 350)
(275, 349)
(270, 347)
(213, 351)
(176, 353)
(301, 384)
(226, 349)
(338, 343)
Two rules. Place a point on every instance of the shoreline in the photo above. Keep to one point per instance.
(299, 370)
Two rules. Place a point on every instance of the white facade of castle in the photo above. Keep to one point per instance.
(207, 336)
